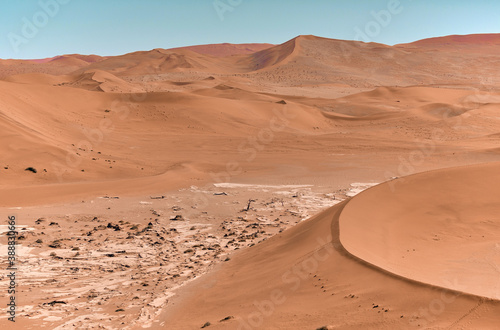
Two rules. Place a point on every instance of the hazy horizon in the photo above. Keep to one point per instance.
(47, 28)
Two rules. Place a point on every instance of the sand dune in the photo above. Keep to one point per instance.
(58, 65)
(223, 50)
(307, 278)
(302, 60)
(436, 227)
(37, 79)
(476, 40)
(158, 61)
(97, 80)
(240, 163)
(86, 58)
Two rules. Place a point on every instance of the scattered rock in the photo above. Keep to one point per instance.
(207, 324)
(178, 217)
(52, 303)
(31, 169)
(55, 245)
(113, 226)
(190, 248)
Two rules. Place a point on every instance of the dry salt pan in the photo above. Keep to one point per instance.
(357, 188)
(259, 186)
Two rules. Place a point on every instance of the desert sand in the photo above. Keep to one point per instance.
(315, 184)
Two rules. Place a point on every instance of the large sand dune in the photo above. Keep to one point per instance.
(377, 261)
(207, 157)
(438, 228)
(226, 49)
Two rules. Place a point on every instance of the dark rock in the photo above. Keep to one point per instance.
(178, 217)
(113, 226)
(52, 303)
(55, 245)
(31, 169)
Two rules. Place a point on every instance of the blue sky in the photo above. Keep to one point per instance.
(113, 27)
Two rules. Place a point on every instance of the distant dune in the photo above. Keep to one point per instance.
(223, 50)
(471, 39)
(302, 60)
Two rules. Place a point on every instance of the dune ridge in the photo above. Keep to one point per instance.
(458, 227)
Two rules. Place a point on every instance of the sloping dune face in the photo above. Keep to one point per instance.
(314, 60)
(439, 227)
(305, 279)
